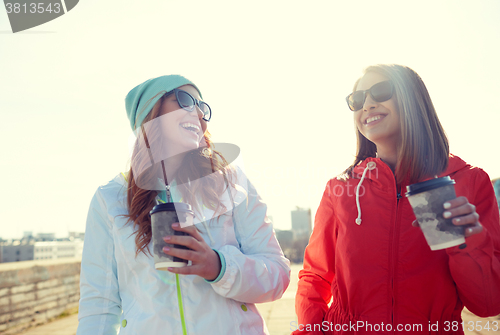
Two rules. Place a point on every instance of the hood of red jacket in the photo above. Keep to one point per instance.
(455, 164)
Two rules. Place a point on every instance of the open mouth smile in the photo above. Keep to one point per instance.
(374, 119)
(195, 129)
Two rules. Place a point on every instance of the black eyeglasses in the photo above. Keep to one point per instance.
(188, 102)
(380, 92)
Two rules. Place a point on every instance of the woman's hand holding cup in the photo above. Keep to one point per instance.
(204, 261)
(463, 213)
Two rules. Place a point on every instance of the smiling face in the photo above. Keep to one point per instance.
(182, 130)
(378, 121)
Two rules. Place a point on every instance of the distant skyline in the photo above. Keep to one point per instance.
(275, 74)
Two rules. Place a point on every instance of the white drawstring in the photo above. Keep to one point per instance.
(369, 166)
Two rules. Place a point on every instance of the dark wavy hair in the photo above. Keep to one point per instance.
(424, 147)
(202, 162)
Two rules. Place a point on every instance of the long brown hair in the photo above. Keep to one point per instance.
(424, 148)
(194, 166)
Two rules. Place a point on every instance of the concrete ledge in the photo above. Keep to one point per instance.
(33, 292)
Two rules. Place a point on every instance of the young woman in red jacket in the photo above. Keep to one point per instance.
(368, 268)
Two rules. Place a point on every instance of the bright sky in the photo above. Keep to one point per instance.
(275, 73)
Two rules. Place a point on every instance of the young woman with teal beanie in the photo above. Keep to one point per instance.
(235, 260)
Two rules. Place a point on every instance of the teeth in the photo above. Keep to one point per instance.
(188, 125)
(373, 118)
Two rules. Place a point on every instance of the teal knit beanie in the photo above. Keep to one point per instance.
(141, 99)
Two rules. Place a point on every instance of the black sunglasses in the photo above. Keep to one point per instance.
(380, 92)
(188, 102)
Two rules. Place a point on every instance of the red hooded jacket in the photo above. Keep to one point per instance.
(381, 276)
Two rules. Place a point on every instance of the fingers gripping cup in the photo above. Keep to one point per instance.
(427, 199)
(162, 218)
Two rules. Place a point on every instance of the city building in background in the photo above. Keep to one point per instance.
(46, 237)
(285, 238)
(293, 242)
(301, 222)
(16, 251)
(57, 249)
(42, 246)
(496, 186)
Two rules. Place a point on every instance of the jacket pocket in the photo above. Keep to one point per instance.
(337, 321)
(128, 320)
(246, 318)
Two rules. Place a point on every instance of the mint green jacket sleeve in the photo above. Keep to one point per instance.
(257, 271)
(100, 303)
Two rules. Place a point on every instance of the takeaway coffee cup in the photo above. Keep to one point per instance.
(427, 199)
(162, 218)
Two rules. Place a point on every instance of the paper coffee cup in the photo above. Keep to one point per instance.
(427, 199)
(162, 218)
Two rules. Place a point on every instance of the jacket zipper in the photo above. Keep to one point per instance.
(394, 237)
(395, 245)
(177, 282)
(181, 307)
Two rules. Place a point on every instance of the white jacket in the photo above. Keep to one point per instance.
(120, 293)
